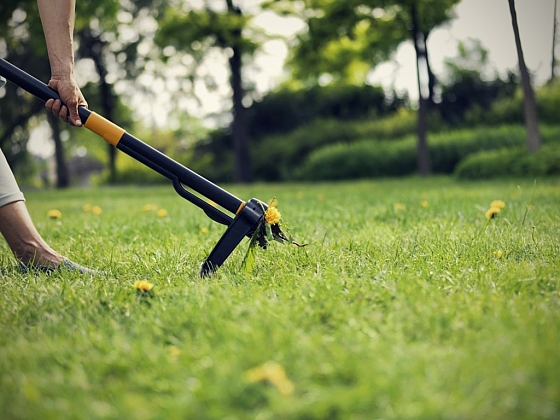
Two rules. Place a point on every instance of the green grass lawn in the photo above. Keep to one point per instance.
(405, 304)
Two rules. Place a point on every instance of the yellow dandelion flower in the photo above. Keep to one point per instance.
(273, 202)
(204, 230)
(161, 213)
(149, 207)
(272, 215)
(54, 214)
(143, 285)
(499, 204)
(492, 212)
(498, 254)
(174, 351)
(96, 210)
(399, 207)
(87, 207)
(273, 373)
(424, 204)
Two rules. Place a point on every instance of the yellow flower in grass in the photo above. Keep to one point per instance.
(273, 373)
(399, 207)
(272, 215)
(87, 207)
(424, 204)
(492, 212)
(498, 254)
(204, 230)
(273, 202)
(161, 213)
(54, 214)
(174, 351)
(143, 285)
(149, 207)
(96, 210)
(499, 204)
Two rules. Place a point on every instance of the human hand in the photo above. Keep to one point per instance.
(70, 98)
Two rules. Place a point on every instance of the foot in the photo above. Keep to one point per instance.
(65, 265)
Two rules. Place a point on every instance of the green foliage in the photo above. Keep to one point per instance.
(367, 158)
(287, 124)
(287, 109)
(276, 157)
(344, 40)
(516, 162)
(424, 310)
(510, 110)
(362, 159)
(548, 103)
(195, 29)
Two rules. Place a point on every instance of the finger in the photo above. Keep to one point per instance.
(56, 106)
(63, 114)
(49, 104)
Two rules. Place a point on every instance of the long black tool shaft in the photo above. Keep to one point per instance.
(129, 144)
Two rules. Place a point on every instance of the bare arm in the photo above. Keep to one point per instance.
(57, 17)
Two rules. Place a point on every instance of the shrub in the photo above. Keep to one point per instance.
(516, 162)
(276, 157)
(510, 110)
(397, 158)
(364, 159)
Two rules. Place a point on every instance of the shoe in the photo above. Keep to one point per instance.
(64, 265)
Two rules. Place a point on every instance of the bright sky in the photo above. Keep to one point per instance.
(486, 20)
(490, 22)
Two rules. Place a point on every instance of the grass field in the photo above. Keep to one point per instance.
(407, 303)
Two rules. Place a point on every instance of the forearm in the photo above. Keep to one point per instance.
(57, 17)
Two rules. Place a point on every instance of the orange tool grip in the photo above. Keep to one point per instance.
(110, 132)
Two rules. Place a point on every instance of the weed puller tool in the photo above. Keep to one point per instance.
(246, 216)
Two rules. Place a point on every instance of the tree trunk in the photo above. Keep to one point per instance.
(62, 176)
(423, 162)
(242, 171)
(553, 64)
(529, 103)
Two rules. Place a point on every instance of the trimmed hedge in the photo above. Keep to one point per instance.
(369, 159)
(516, 162)
(276, 157)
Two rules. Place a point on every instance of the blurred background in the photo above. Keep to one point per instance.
(294, 90)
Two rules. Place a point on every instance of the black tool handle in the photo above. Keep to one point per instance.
(135, 148)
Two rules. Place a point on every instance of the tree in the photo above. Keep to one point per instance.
(107, 33)
(470, 86)
(553, 63)
(422, 18)
(346, 40)
(343, 42)
(200, 32)
(529, 104)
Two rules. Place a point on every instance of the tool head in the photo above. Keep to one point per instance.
(250, 222)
